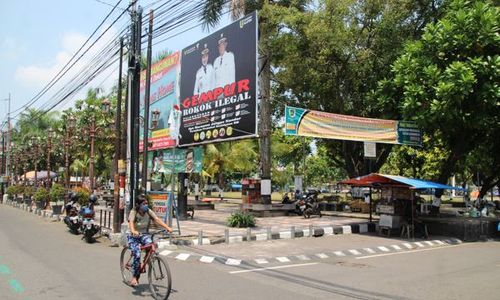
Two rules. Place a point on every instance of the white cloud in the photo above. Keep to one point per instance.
(10, 49)
(37, 76)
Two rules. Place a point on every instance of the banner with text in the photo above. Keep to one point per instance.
(163, 96)
(305, 122)
(218, 87)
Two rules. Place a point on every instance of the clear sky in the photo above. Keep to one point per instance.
(37, 37)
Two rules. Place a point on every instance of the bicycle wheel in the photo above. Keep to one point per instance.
(160, 280)
(126, 265)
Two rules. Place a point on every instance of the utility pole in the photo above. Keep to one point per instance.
(133, 105)
(118, 137)
(147, 93)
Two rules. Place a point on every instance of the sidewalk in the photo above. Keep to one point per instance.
(209, 226)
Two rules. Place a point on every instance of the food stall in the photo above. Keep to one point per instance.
(398, 201)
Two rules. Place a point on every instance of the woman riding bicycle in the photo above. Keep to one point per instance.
(139, 220)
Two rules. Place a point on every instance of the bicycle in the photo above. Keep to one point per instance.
(157, 270)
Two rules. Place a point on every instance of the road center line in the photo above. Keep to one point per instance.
(406, 252)
(272, 268)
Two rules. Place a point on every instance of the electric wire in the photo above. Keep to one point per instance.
(108, 55)
(58, 76)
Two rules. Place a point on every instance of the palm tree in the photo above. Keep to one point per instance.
(80, 166)
(229, 157)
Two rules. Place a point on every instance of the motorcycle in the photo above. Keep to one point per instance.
(89, 227)
(310, 206)
(287, 200)
(72, 219)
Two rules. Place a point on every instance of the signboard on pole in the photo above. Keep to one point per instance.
(370, 149)
(409, 133)
(163, 97)
(305, 122)
(218, 85)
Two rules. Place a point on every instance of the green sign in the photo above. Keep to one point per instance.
(409, 134)
(175, 160)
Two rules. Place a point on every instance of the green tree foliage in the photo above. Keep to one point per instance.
(320, 170)
(414, 162)
(331, 57)
(230, 157)
(449, 83)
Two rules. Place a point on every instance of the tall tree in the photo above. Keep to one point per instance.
(448, 82)
(330, 57)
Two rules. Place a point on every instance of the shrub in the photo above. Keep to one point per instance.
(29, 191)
(82, 195)
(56, 193)
(239, 219)
(41, 195)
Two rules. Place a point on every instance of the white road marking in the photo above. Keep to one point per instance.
(261, 261)
(303, 257)
(207, 259)
(419, 244)
(439, 242)
(165, 252)
(339, 253)
(282, 259)
(405, 252)
(183, 256)
(233, 262)
(382, 248)
(272, 268)
(369, 250)
(408, 245)
(322, 255)
(355, 252)
(396, 247)
(429, 243)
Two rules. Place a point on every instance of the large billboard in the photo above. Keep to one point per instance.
(163, 96)
(305, 122)
(218, 90)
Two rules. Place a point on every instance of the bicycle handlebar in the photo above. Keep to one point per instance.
(160, 231)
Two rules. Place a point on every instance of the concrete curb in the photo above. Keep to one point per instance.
(292, 233)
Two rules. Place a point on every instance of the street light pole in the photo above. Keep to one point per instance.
(49, 146)
(91, 167)
(35, 149)
(69, 126)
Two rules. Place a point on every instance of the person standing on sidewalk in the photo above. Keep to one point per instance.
(139, 220)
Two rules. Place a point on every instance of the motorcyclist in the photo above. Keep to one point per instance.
(139, 220)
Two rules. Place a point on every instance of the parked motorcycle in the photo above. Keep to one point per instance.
(310, 206)
(297, 199)
(89, 227)
(72, 218)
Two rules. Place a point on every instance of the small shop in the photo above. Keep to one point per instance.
(403, 211)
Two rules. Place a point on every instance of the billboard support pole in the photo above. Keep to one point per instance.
(147, 93)
(265, 110)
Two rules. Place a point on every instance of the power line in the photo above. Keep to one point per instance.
(108, 55)
(58, 76)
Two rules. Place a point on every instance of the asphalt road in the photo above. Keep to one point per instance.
(41, 260)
